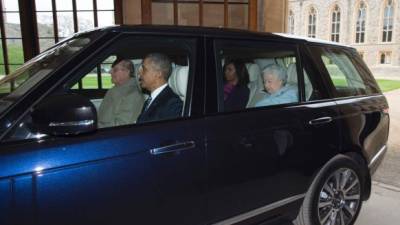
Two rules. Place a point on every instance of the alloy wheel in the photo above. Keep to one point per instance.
(339, 198)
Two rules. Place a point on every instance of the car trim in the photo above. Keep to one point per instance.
(261, 210)
(377, 156)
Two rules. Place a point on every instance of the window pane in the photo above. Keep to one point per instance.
(106, 80)
(105, 18)
(248, 89)
(12, 24)
(213, 15)
(43, 5)
(10, 5)
(84, 4)
(188, 14)
(15, 51)
(105, 4)
(2, 71)
(344, 75)
(85, 21)
(90, 80)
(14, 68)
(45, 24)
(1, 54)
(162, 13)
(64, 4)
(238, 15)
(45, 43)
(65, 22)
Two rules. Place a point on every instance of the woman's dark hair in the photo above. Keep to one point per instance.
(241, 71)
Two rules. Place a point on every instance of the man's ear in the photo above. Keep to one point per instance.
(159, 75)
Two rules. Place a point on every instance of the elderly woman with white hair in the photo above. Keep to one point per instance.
(278, 92)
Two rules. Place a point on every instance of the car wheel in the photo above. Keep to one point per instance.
(335, 196)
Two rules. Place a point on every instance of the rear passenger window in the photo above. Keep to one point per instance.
(256, 76)
(343, 73)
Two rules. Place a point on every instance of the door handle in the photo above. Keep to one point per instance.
(321, 120)
(173, 148)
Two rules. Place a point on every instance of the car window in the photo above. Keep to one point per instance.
(99, 77)
(15, 85)
(256, 75)
(343, 73)
(135, 81)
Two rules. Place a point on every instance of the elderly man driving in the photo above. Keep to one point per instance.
(275, 85)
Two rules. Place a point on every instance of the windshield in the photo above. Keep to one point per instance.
(16, 84)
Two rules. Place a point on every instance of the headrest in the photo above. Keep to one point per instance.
(178, 80)
(262, 63)
(254, 71)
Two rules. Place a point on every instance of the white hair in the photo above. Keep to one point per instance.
(276, 70)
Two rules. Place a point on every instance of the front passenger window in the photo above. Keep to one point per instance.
(136, 80)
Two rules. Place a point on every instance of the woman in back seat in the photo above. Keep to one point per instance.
(279, 92)
(236, 92)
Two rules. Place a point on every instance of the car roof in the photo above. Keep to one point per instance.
(219, 32)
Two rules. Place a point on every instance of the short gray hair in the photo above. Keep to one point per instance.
(161, 62)
(277, 70)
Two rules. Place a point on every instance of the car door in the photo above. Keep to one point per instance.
(261, 160)
(362, 107)
(148, 173)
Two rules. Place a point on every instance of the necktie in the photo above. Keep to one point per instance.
(147, 103)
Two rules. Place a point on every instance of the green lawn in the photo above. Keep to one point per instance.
(90, 82)
(15, 56)
(388, 85)
(385, 85)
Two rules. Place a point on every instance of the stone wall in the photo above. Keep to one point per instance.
(373, 45)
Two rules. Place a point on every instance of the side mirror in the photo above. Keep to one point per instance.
(66, 114)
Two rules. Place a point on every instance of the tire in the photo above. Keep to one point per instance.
(329, 202)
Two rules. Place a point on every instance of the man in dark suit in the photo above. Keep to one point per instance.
(162, 103)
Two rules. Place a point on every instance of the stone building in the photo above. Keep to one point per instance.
(370, 26)
(29, 27)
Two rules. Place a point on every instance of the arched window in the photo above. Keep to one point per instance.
(388, 22)
(312, 23)
(360, 26)
(291, 22)
(335, 24)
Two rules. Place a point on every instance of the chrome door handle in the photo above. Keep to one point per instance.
(321, 120)
(173, 148)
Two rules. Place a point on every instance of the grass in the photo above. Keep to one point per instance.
(15, 56)
(90, 82)
(385, 85)
(388, 85)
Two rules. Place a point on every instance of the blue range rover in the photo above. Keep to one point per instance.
(270, 129)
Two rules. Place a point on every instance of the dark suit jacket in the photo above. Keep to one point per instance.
(167, 105)
(238, 99)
